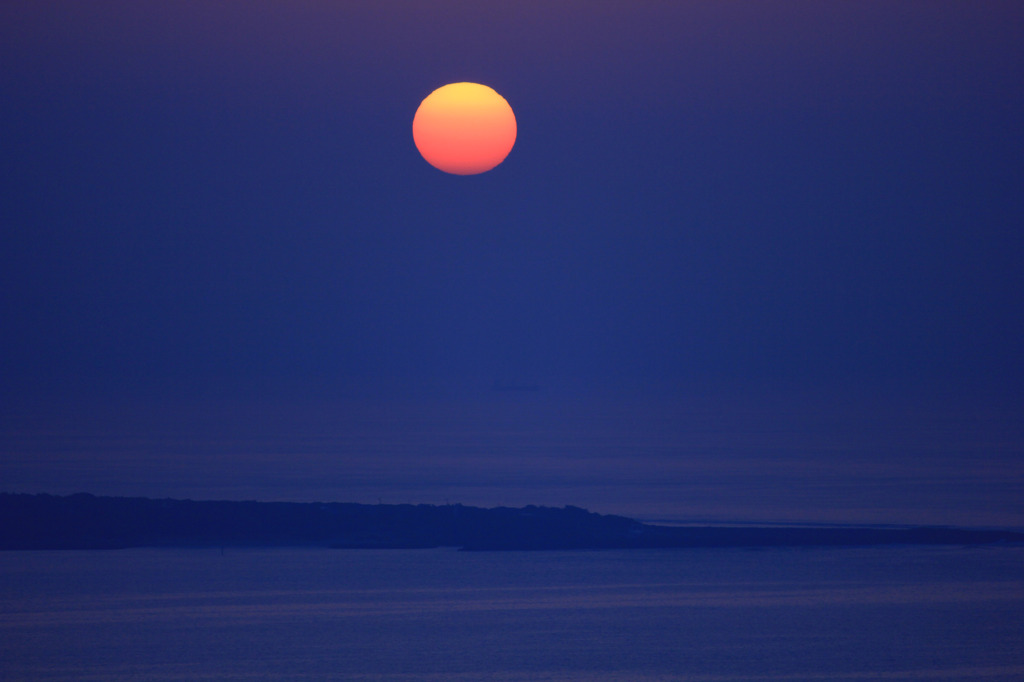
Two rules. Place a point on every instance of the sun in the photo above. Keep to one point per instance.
(464, 128)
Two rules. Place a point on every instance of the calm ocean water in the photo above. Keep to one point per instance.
(709, 615)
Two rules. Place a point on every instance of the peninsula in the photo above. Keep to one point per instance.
(84, 521)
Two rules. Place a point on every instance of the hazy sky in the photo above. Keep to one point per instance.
(221, 201)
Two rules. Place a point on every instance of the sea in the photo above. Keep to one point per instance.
(709, 615)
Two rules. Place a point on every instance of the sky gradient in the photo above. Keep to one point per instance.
(796, 225)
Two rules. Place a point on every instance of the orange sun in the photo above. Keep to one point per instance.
(464, 128)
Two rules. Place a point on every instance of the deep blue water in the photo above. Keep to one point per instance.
(177, 614)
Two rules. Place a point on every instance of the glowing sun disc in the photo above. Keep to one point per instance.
(464, 128)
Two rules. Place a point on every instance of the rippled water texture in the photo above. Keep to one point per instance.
(893, 613)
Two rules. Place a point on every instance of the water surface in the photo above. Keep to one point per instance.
(176, 614)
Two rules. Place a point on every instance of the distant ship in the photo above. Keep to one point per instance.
(513, 386)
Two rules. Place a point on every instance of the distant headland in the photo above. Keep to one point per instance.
(84, 521)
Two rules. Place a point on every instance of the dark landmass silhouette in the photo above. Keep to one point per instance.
(84, 521)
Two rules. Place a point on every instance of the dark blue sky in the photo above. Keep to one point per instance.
(222, 201)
